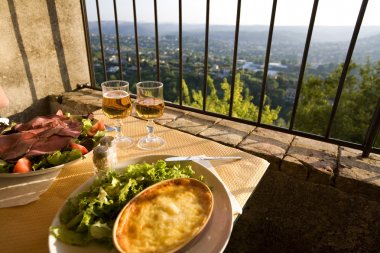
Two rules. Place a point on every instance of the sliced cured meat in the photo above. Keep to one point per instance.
(49, 145)
(40, 121)
(41, 135)
(15, 145)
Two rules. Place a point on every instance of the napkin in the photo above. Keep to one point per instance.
(236, 208)
(4, 121)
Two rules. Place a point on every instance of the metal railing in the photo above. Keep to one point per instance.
(373, 128)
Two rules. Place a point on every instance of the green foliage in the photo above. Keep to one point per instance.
(357, 103)
(243, 106)
(359, 97)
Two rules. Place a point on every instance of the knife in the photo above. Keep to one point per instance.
(200, 157)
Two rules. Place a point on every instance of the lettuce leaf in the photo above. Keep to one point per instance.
(69, 236)
(87, 124)
(5, 167)
(59, 157)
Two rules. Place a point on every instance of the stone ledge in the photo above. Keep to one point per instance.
(301, 158)
(227, 132)
(267, 144)
(192, 123)
(319, 160)
(359, 175)
(170, 115)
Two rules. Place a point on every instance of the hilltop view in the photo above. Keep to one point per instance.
(327, 53)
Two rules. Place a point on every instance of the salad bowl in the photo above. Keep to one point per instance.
(24, 188)
(23, 183)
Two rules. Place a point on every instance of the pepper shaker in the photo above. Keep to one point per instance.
(101, 160)
(108, 142)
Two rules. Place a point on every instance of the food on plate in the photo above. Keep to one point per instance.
(47, 141)
(164, 217)
(90, 215)
(98, 126)
(23, 165)
(82, 149)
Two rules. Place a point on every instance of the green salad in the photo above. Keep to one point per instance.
(90, 215)
(89, 132)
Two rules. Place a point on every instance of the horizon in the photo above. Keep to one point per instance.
(264, 25)
(288, 13)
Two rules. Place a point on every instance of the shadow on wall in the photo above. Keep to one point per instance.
(54, 24)
(38, 108)
(20, 43)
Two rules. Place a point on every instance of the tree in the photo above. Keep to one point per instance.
(242, 101)
(358, 103)
(186, 94)
(359, 97)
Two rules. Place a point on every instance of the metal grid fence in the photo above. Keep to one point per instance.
(373, 127)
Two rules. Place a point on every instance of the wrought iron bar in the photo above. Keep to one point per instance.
(180, 51)
(266, 64)
(88, 42)
(157, 46)
(136, 42)
(101, 40)
(372, 132)
(346, 66)
(235, 58)
(204, 90)
(117, 40)
(303, 63)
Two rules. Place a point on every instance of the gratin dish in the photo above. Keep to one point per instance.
(164, 217)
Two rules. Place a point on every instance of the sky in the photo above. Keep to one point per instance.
(253, 12)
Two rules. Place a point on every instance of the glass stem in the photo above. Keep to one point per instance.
(150, 128)
(118, 126)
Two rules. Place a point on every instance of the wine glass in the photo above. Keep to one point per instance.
(150, 105)
(117, 105)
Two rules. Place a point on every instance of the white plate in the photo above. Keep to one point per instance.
(213, 238)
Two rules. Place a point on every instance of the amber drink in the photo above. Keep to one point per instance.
(116, 104)
(150, 108)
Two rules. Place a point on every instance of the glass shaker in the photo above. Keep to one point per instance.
(103, 156)
(101, 160)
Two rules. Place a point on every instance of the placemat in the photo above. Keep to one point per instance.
(25, 228)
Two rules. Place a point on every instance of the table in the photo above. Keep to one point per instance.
(25, 228)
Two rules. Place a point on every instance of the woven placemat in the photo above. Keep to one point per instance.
(25, 228)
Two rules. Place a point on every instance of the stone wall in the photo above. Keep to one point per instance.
(43, 52)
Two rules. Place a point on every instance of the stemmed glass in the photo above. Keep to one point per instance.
(117, 105)
(150, 105)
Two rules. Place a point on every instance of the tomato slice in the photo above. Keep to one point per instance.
(83, 149)
(98, 126)
(23, 165)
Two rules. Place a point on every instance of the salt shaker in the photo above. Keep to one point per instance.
(101, 159)
(108, 141)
